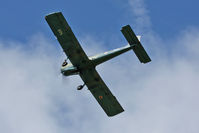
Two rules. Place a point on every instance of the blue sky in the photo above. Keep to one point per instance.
(103, 19)
(161, 96)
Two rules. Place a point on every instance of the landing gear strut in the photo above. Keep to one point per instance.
(80, 87)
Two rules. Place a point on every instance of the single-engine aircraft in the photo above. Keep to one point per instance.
(85, 66)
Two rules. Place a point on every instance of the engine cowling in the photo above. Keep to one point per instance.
(68, 70)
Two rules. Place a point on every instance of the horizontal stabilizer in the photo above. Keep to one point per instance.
(137, 46)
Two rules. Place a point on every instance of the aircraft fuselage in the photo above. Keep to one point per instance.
(69, 69)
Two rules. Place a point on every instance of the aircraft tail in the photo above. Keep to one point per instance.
(134, 41)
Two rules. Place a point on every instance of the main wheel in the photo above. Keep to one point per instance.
(80, 87)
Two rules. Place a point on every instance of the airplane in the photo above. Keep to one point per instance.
(84, 66)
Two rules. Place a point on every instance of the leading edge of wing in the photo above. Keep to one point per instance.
(101, 92)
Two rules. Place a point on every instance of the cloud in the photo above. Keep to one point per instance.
(161, 96)
(139, 15)
(25, 80)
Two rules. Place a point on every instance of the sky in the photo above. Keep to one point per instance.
(158, 97)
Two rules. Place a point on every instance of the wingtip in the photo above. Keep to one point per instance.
(53, 13)
(126, 26)
(116, 113)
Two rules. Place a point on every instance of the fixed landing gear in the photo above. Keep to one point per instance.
(65, 63)
(80, 87)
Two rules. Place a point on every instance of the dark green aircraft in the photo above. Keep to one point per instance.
(85, 66)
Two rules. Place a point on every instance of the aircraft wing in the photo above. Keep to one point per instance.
(101, 92)
(67, 39)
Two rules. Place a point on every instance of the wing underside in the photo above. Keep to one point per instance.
(67, 39)
(78, 58)
(101, 92)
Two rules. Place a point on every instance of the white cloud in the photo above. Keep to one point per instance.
(158, 97)
(140, 18)
(25, 80)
